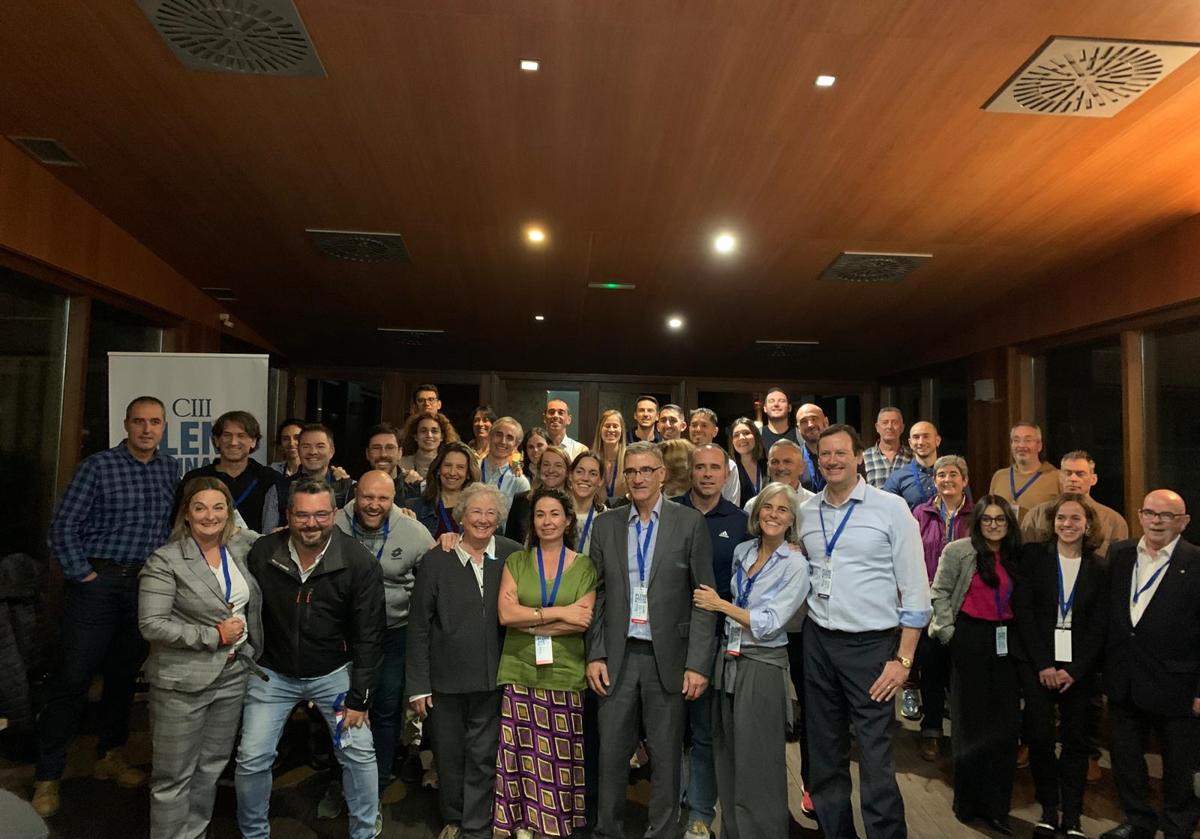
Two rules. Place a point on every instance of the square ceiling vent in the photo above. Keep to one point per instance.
(1088, 77)
(867, 267)
(257, 37)
(360, 246)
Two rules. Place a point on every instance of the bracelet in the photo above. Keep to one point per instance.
(540, 618)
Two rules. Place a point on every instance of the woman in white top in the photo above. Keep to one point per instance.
(199, 608)
(750, 703)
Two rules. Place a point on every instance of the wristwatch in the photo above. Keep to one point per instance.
(907, 662)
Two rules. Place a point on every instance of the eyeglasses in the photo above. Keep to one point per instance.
(993, 520)
(321, 518)
(645, 472)
(1154, 515)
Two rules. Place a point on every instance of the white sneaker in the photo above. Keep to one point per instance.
(450, 831)
(697, 830)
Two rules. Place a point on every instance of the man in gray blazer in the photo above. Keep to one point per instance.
(648, 648)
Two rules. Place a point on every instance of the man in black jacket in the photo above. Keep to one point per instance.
(323, 618)
(1152, 668)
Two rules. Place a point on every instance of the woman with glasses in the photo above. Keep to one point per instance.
(422, 438)
(546, 598)
(751, 709)
(746, 449)
(481, 429)
(1058, 606)
(454, 641)
(453, 470)
(610, 445)
(553, 467)
(973, 615)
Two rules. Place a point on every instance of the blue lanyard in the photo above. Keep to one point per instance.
(1012, 482)
(387, 526)
(587, 528)
(612, 485)
(997, 594)
(814, 474)
(499, 478)
(1138, 592)
(451, 527)
(927, 489)
(245, 493)
(757, 478)
(1065, 603)
(830, 544)
(562, 562)
(643, 547)
(224, 570)
(948, 518)
(743, 594)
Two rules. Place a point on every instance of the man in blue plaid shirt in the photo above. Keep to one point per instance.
(112, 516)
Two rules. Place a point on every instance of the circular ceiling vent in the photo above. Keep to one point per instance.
(859, 267)
(358, 246)
(240, 36)
(1081, 79)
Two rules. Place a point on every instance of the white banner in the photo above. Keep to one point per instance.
(196, 388)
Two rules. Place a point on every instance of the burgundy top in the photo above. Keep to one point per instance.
(937, 532)
(982, 601)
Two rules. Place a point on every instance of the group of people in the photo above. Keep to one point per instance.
(547, 606)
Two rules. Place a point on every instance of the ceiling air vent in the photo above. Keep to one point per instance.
(864, 267)
(414, 338)
(261, 37)
(783, 350)
(225, 295)
(46, 151)
(1087, 77)
(358, 246)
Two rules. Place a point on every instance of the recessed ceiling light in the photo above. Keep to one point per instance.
(539, 317)
(725, 243)
(529, 65)
(826, 81)
(535, 235)
(675, 322)
(613, 286)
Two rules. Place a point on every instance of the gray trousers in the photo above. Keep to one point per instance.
(466, 735)
(192, 735)
(749, 739)
(637, 694)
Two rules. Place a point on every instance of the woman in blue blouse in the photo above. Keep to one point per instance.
(750, 706)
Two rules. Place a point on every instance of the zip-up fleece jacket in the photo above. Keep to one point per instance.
(314, 627)
(406, 542)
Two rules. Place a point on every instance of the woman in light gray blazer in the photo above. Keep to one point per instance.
(200, 610)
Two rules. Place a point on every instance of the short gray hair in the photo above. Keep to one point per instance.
(770, 491)
(954, 460)
(645, 447)
(785, 441)
(471, 490)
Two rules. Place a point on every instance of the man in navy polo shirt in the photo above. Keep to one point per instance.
(727, 529)
(914, 482)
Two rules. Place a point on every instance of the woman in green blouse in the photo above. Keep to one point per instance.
(546, 598)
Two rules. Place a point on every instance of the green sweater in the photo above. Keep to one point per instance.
(517, 659)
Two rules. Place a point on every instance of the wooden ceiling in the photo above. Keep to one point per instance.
(650, 126)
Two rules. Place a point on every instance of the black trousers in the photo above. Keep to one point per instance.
(984, 707)
(1180, 739)
(795, 648)
(934, 660)
(466, 734)
(1057, 779)
(839, 669)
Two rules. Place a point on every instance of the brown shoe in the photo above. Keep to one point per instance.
(1022, 756)
(113, 767)
(929, 748)
(1093, 773)
(45, 798)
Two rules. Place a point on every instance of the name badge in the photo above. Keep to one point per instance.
(823, 580)
(1001, 641)
(1062, 644)
(543, 649)
(733, 637)
(639, 610)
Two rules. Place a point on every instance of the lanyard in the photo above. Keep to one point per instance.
(743, 594)
(587, 528)
(245, 493)
(814, 474)
(1066, 603)
(1012, 482)
(612, 485)
(225, 571)
(948, 518)
(562, 562)
(643, 547)
(757, 478)
(830, 544)
(997, 592)
(499, 478)
(1138, 592)
(927, 489)
(360, 535)
(451, 527)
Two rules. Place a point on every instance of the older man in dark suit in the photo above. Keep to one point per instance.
(1152, 668)
(648, 648)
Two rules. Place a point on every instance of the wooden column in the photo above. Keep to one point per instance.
(1135, 427)
(988, 419)
(79, 319)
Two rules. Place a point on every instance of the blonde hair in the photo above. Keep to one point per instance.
(677, 458)
(181, 528)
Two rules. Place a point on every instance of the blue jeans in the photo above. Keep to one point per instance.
(387, 706)
(702, 772)
(268, 706)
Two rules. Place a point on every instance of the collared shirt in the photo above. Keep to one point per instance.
(726, 530)
(505, 481)
(732, 490)
(466, 559)
(633, 544)
(879, 468)
(115, 508)
(813, 480)
(776, 593)
(913, 483)
(292, 552)
(573, 448)
(1147, 564)
(878, 566)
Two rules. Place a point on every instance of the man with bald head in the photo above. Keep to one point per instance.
(1151, 664)
(398, 542)
(810, 422)
(914, 482)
